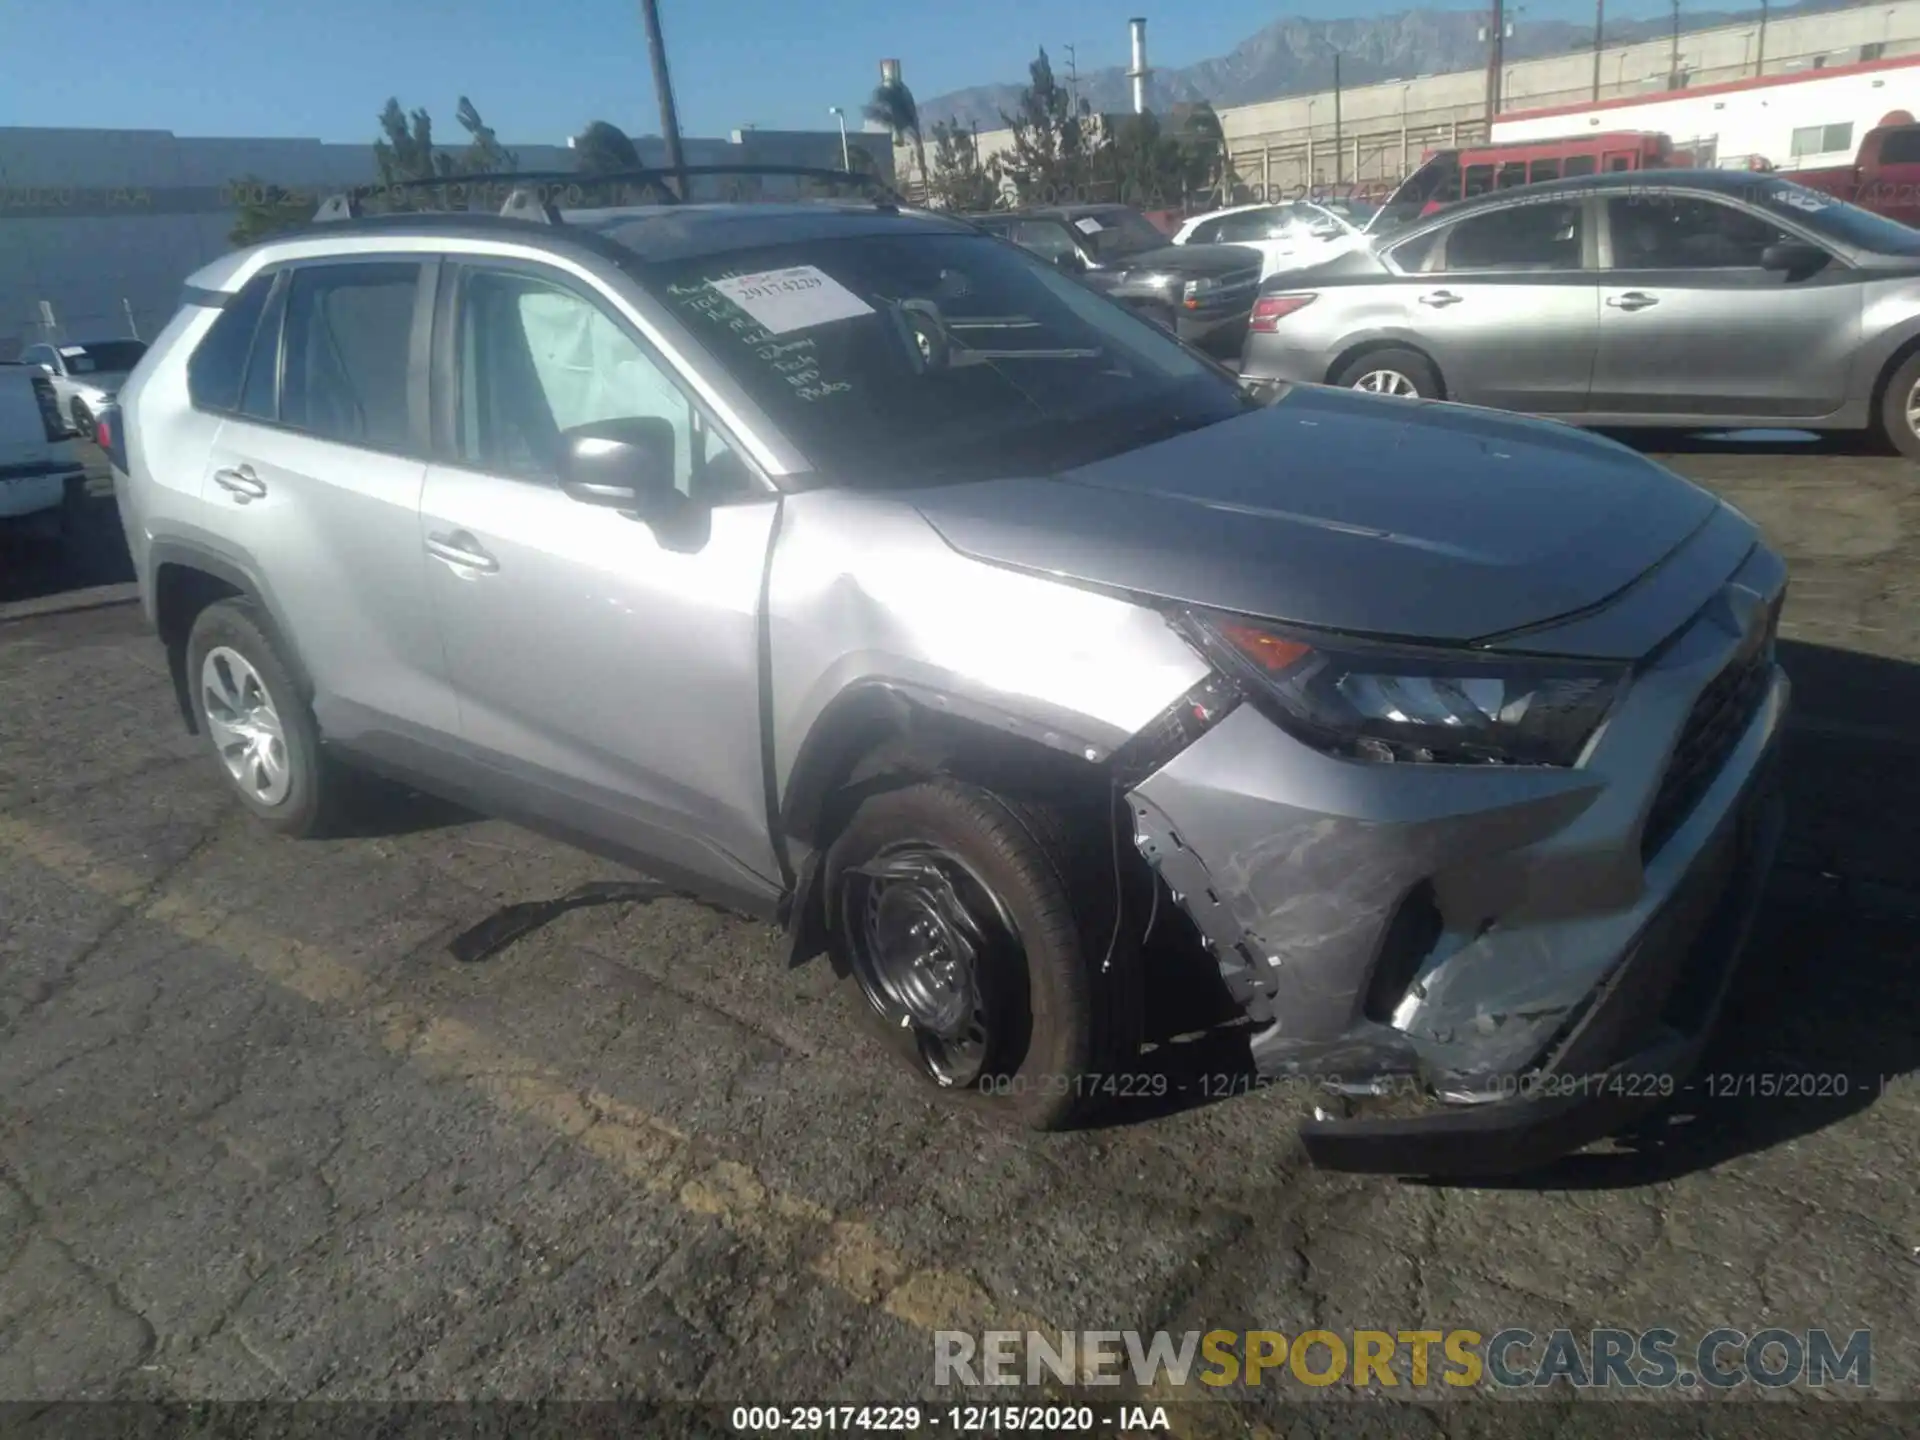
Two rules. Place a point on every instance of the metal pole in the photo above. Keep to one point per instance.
(1760, 59)
(1496, 29)
(1673, 62)
(1338, 177)
(846, 156)
(1599, 24)
(663, 90)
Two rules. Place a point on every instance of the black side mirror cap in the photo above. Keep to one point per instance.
(625, 465)
(1794, 257)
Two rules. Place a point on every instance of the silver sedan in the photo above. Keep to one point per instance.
(1686, 299)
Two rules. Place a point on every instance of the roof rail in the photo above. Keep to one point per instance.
(536, 194)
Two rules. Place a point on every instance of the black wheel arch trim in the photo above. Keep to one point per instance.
(191, 555)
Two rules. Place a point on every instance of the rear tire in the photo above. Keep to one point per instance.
(1898, 421)
(1407, 374)
(257, 723)
(979, 938)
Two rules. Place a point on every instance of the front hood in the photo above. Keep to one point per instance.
(1193, 259)
(1347, 512)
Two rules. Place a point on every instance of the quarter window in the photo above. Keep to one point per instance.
(1522, 238)
(345, 353)
(220, 360)
(538, 360)
(1684, 232)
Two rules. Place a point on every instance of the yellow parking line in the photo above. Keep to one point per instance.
(847, 1255)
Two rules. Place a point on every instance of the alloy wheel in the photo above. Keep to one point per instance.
(1913, 408)
(920, 925)
(1388, 382)
(245, 725)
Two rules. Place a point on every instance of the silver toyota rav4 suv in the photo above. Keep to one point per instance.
(854, 568)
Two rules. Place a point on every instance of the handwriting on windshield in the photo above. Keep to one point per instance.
(795, 361)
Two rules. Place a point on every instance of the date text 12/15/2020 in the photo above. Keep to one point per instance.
(1707, 1085)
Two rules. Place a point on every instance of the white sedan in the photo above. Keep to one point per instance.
(1289, 236)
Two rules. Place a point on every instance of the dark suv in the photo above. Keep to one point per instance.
(1203, 293)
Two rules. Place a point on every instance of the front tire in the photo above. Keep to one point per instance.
(82, 420)
(978, 930)
(256, 721)
(1899, 417)
(1404, 374)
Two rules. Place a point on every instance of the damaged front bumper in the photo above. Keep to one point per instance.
(1541, 953)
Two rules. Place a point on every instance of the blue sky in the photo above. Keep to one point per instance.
(539, 71)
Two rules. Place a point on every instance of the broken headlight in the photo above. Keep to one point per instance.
(1385, 703)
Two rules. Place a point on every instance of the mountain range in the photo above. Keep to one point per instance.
(1292, 57)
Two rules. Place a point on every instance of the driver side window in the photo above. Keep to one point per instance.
(1044, 238)
(538, 359)
(1682, 232)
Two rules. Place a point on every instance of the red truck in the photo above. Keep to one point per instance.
(1884, 176)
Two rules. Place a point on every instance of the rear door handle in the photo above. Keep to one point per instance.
(462, 549)
(241, 483)
(1632, 300)
(1440, 299)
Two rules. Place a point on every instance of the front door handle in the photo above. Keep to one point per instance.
(241, 483)
(1632, 300)
(461, 549)
(1440, 299)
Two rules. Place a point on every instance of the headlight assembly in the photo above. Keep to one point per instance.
(1392, 704)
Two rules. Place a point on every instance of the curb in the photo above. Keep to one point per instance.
(96, 597)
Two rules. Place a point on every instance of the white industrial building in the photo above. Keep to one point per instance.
(1651, 85)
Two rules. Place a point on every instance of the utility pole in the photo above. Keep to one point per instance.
(1599, 24)
(1339, 175)
(663, 90)
(1496, 33)
(1073, 81)
(1760, 60)
(1673, 63)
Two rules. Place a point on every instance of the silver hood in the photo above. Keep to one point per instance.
(1347, 512)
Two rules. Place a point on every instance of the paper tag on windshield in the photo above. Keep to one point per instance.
(1087, 226)
(796, 298)
(1799, 201)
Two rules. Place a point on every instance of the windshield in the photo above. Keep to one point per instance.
(1354, 214)
(104, 357)
(903, 359)
(1113, 233)
(1838, 220)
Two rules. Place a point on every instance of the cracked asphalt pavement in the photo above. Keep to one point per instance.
(262, 1138)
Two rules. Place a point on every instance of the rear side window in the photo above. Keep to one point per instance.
(345, 349)
(219, 363)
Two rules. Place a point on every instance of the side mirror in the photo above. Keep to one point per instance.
(621, 465)
(1793, 257)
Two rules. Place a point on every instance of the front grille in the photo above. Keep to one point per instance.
(1235, 281)
(1718, 719)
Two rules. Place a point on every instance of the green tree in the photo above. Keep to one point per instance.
(405, 150)
(960, 181)
(263, 210)
(893, 106)
(1054, 140)
(602, 147)
(484, 154)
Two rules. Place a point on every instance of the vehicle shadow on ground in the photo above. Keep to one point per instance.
(36, 561)
(1824, 1018)
(372, 808)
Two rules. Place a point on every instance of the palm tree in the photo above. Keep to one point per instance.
(893, 106)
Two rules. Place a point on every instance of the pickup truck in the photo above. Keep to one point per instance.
(1884, 176)
(41, 475)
